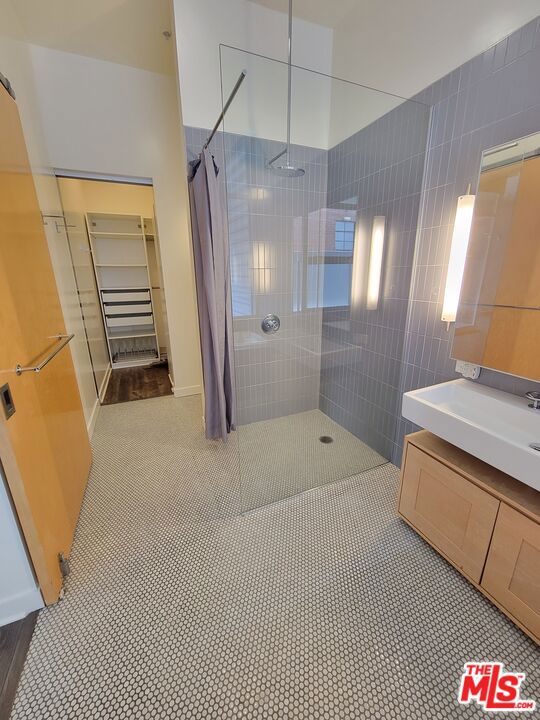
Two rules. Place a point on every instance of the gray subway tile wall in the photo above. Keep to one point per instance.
(490, 100)
(353, 363)
(272, 221)
(377, 171)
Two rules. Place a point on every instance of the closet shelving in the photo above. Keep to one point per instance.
(118, 244)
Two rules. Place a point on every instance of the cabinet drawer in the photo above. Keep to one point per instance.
(128, 309)
(512, 573)
(129, 321)
(455, 515)
(125, 296)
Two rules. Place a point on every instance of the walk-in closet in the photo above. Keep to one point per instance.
(114, 248)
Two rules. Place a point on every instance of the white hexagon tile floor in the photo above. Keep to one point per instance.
(325, 605)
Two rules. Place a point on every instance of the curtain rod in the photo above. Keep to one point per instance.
(225, 108)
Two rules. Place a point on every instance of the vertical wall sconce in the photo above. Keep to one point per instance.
(375, 262)
(263, 267)
(458, 253)
(358, 268)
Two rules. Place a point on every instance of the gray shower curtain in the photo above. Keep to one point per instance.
(211, 253)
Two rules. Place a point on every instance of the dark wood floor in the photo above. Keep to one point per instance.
(14, 643)
(138, 383)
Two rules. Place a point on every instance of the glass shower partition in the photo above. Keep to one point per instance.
(320, 271)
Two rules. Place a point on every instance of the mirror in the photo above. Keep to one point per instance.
(498, 318)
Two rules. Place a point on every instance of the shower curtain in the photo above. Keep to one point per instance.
(211, 253)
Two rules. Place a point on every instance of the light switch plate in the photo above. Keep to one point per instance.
(468, 370)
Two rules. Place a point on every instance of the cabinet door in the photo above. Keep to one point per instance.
(455, 515)
(512, 574)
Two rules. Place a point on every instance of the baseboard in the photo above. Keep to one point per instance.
(15, 607)
(105, 383)
(91, 424)
(185, 391)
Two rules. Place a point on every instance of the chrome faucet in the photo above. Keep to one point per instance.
(534, 395)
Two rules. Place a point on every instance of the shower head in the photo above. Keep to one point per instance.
(286, 170)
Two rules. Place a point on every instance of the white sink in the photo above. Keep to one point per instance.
(490, 424)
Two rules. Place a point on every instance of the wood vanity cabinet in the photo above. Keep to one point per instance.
(481, 520)
(512, 572)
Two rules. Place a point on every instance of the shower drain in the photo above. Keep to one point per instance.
(535, 446)
(326, 439)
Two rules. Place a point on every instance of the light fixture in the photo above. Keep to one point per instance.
(375, 262)
(458, 253)
(263, 267)
(359, 264)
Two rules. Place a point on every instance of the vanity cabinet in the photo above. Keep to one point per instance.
(481, 520)
(512, 572)
(456, 515)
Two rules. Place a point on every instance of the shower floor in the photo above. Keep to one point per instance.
(284, 456)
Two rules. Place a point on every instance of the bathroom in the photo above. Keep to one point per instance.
(351, 480)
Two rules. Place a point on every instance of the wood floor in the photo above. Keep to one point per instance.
(14, 642)
(138, 383)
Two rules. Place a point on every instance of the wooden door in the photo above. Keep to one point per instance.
(455, 515)
(44, 446)
(512, 573)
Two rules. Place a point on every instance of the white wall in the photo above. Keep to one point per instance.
(260, 106)
(325, 110)
(113, 119)
(19, 593)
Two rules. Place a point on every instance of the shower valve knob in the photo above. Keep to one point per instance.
(270, 324)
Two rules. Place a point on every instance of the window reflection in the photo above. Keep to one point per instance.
(328, 260)
(345, 234)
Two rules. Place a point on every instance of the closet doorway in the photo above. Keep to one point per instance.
(113, 241)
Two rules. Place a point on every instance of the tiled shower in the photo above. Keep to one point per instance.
(380, 169)
(300, 246)
(273, 224)
(301, 249)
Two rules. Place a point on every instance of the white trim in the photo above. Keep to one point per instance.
(91, 424)
(105, 383)
(81, 175)
(185, 391)
(15, 607)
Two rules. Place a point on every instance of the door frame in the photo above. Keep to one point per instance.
(69, 174)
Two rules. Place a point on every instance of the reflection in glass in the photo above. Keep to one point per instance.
(330, 253)
(375, 262)
(498, 319)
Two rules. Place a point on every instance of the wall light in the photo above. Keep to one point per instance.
(359, 264)
(458, 253)
(264, 267)
(375, 262)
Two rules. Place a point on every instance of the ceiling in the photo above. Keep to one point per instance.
(401, 47)
(129, 32)
(322, 12)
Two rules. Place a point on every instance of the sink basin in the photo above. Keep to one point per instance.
(490, 424)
